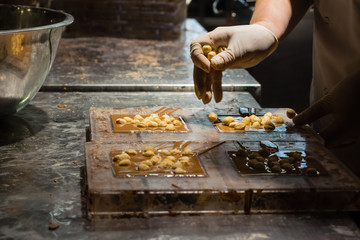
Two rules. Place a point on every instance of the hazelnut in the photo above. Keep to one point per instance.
(213, 117)
(143, 167)
(125, 162)
(211, 54)
(221, 49)
(206, 49)
(228, 120)
(187, 151)
(290, 113)
(279, 120)
(239, 126)
(131, 152)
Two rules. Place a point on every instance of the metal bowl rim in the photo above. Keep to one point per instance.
(67, 21)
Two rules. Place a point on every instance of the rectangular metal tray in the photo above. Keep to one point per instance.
(198, 124)
(223, 190)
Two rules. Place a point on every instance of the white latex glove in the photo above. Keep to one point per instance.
(247, 45)
(342, 103)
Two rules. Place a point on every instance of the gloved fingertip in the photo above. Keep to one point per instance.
(196, 90)
(217, 63)
(198, 95)
(218, 97)
(205, 101)
(199, 59)
(204, 65)
(194, 45)
(206, 68)
(206, 98)
(299, 119)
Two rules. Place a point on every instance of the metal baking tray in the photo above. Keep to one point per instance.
(222, 190)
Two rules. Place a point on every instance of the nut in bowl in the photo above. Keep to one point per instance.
(29, 38)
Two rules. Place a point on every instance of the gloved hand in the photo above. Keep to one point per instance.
(342, 103)
(205, 83)
(247, 45)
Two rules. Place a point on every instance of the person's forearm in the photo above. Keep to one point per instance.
(279, 16)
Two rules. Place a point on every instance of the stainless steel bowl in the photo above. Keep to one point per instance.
(29, 38)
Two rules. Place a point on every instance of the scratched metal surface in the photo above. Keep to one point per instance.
(42, 165)
(270, 192)
(117, 64)
(41, 180)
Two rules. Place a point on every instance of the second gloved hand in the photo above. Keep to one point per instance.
(342, 103)
(246, 46)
